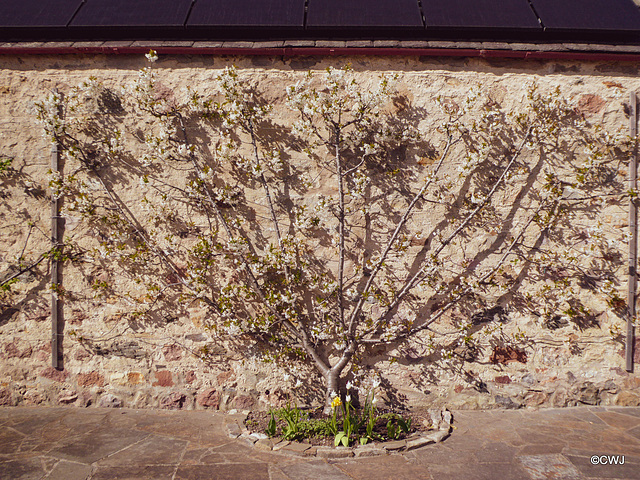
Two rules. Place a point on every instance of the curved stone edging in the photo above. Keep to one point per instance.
(234, 424)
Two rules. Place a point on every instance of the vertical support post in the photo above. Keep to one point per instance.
(56, 303)
(55, 274)
(633, 230)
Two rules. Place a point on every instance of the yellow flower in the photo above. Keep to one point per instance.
(336, 402)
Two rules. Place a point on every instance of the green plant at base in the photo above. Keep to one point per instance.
(5, 164)
(371, 418)
(291, 415)
(397, 425)
(272, 425)
(350, 420)
(343, 438)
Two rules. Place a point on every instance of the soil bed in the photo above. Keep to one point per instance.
(257, 422)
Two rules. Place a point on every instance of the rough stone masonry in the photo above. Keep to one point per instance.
(158, 366)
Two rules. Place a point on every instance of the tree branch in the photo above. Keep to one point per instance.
(419, 275)
(362, 296)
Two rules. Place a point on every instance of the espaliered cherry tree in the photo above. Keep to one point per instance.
(325, 223)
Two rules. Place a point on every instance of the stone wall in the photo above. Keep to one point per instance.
(161, 366)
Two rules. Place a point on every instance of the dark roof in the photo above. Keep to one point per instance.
(528, 21)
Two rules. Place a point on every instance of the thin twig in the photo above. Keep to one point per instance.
(26, 269)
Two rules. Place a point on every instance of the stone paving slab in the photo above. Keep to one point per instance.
(626, 471)
(389, 467)
(69, 471)
(314, 470)
(23, 469)
(134, 472)
(542, 467)
(230, 471)
(97, 445)
(152, 450)
(91, 444)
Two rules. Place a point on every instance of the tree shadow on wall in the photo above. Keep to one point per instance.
(205, 209)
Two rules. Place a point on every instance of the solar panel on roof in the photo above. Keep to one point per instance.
(247, 13)
(364, 13)
(132, 13)
(37, 13)
(588, 14)
(608, 21)
(479, 13)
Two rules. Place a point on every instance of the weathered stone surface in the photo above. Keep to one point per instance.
(33, 397)
(438, 436)
(152, 450)
(81, 354)
(156, 472)
(508, 354)
(628, 399)
(394, 446)
(264, 444)
(70, 471)
(128, 349)
(163, 379)
(582, 463)
(174, 401)
(196, 337)
(588, 394)
(135, 378)
(90, 379)
(109, 401)
(226, 377)
(421, 79)
(234, 430)
(5, 397)
(632, 383)
(534, 399)
(249, 439)
(209, 398)
(590, 104)
(53, 374)
(244, 402)
(11, 350)
(314, 470)
(280, 445)
(97, 444)
(330, 452)
(418, 442)
(368, 451)
(151, 444)
(330, 43)
(435, 417)
(296, 448)
(23, 469)
(245, 471)
(506, 402)
(172, 353)
(67, 396)
(447, 418)
(559, 397)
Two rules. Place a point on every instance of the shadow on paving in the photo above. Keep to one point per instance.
(91, 444)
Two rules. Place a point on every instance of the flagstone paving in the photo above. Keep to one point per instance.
(110, 444)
